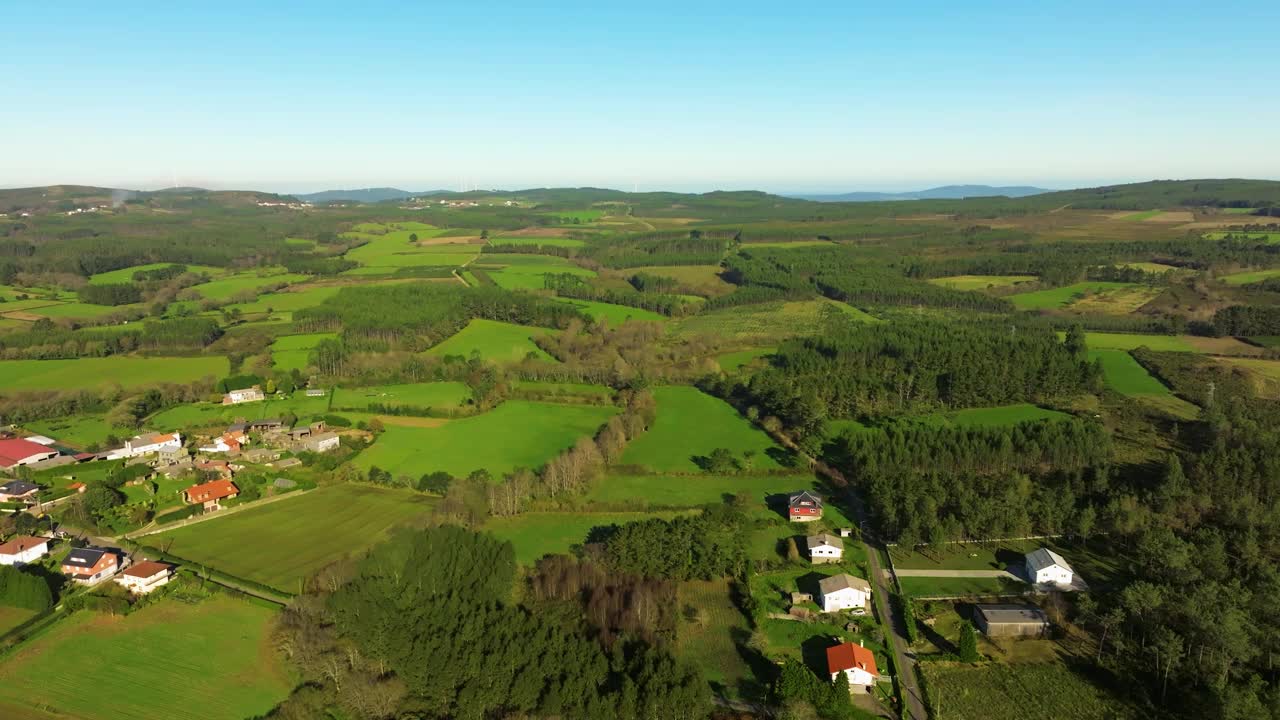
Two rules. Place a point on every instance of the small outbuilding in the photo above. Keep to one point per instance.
(824, 548)
(1011, 620)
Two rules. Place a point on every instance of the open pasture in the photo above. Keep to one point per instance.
(1002, 691)
(705, 279)
(420, 395)
(981, 282)
(210, 660)
(547, 241)
(515, 434)
(496, 341)
(1130, 341)
(225, 288)
(212, 414)
(78, 310)
(765, 323)
(735, 361)
(685, 491)
(525, 272)
(125, 275)
(296, 536)
(1001, 416)
(690, 425)
(614, 314)
(1124, 375)
(290, 352)
(535, 534)
(1267, 237)
(1251, 276)
(1061, 297)
(84, 373)
(79, 431)
(289, 300)
(1263, 375)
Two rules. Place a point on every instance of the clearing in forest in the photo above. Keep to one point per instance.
(1251, 276)
(125, 275)
(1124, 375)
(293, 537)
(535, 534)
(614, 314)
(765, 323)
(1060, 297)
(497, 341)
(526, 272)
(208, 660)
(692, 424)
(982, 282)
(515, 434)
(290, 352)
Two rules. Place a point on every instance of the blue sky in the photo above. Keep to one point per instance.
(688, 96)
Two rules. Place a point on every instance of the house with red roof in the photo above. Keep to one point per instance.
(804, 506)
(142, 577)
(17, 451)
(856, 662)
(211, 494)
(23, 549)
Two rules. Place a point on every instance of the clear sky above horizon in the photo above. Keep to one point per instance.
(684, 96)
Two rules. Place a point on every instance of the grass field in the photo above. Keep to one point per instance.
(704, 278)
(1252, 276)
(993, 416)
(207, 661)
(1000, 691)
(78, 310)
(547, 241)
(1130, 341)
(496, 341)
(579, 215)
(224, 288)
(525, 272)
(961, 586)
(1264, 375)
(614, 314)
(514, 434)
(12, 617)
(432, 394)
(684, 491)
(1124, 375)
(294, 537)
(291, 351)
(288, 301)
(213, 414)
(599, 392)
(710, 636)
(692, 424)
(1270, 237)
(78, 430)
(535, 534)
(981, 282)
(125, 275)
(734, 361)
(1063, 296)
(1139, 216)
(765, 323)
(85, 373)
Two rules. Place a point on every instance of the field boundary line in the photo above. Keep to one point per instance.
(213, 515)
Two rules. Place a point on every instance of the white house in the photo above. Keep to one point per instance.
(143, 577)
(244, 395)
(1046, 567)
(230, 441)
(152, 443)
(324, 442)
(23, 549)
(843, 592)
(856, 662)
(824, 548)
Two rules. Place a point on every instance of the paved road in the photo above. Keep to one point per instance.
(924, 572)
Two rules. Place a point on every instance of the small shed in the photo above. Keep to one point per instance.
(1011, 620)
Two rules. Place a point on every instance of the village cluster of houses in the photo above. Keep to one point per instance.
(90, 566)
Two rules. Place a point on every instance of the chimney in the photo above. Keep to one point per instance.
(860, 643)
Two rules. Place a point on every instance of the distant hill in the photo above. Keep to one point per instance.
(1163, 194)
(946, 192)
(364, 195)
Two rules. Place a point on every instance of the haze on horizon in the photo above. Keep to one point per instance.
(676, 96)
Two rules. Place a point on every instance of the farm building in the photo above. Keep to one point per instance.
(804, 506)
(1046, 567)
(315, 392)
(16, 451)
(228, 442)
(1010, 620)
(235, 397)
(143, 577)
(41, 440)
(23, 549)
(172, 456)
(856, 662)
(843, 592)
(148, 444)
(210, 494)
(824, 548)
(324, 442)
(89, 565)
(17, 490)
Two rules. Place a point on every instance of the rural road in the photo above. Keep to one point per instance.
(902, 572)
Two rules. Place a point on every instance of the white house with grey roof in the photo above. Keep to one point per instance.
(1046, 567)
(824, 548)
(843, 592)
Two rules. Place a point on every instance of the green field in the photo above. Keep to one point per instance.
(1140, 216)
(535, 534)
(224, 288)
(1270, 237)
(599, 392)
(12, 617)
(614, 314)
(684, 491)
(496, 341)
(1062, 296)
(1131, 341)
(212, 414)
(710, 638)
(1001, 691)
(525, 272)
(291, 351)
(173, 660)
(385, 253)
(78, 430)
(993, 416)
(432, 394)
(547, 241)
(1252, 276)
(579, 215)
(1124, 375)
(290, 300)
(514, 434)
(293, 537)
(125, 275)
(981, 282)
(78, 310)
(767, 322)
(734, 361)
(958, 586)
(86, 373)
(692, 424)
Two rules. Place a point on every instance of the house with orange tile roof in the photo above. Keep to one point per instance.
(856, 662)
(211, 494)
(141, 578)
